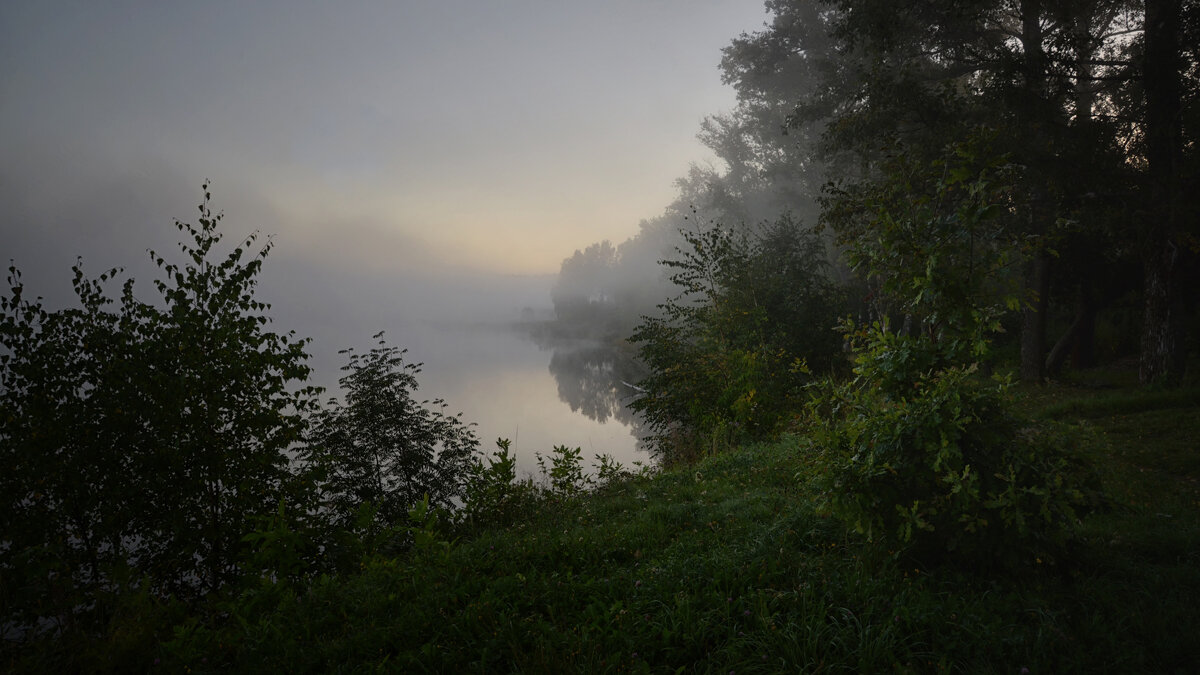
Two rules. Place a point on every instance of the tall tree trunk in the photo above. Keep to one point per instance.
(1037, 270)
(1083, 343)
(1162, 349)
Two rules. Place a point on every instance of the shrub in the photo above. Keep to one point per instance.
(932, 460)
(729, 356)
(609, 471)
(565, 476)
(382, 452)
(493, 494)
(141, 440)
(918, 450)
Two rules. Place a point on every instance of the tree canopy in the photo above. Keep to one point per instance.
(1091, 105)
(142, 439)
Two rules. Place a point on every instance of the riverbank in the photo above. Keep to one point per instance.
(729, 566)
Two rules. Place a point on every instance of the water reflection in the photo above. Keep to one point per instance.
(596, 379)
(475, 339)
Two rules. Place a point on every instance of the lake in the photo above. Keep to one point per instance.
(537, 397)
(471, 336)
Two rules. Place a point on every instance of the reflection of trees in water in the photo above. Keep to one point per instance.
(591, 377)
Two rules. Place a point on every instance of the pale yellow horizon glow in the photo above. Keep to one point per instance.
(524, 221)
(405, 136)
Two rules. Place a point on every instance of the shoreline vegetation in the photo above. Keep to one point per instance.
(729, 565)
(726, 566)
(907, 508)
(883, 357)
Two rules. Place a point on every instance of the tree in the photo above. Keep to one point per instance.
(729, 355)
(916, 75)
(773, 166)
(66, 503)
(1170, 244)
(937, 243)
(384, 450)
(918, 450)
(765, 170)
(587, 287)
(143, 441)
(221, 383)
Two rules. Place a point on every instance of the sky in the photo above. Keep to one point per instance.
(423, 136)
(415, 162)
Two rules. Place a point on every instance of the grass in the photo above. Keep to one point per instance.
(730, 566)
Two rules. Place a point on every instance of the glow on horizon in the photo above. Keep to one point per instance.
(456, 134)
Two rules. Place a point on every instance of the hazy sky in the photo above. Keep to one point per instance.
(415, 135)
(421, 164)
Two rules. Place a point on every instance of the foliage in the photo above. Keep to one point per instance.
(928, 458)
(565, 475)
(493, 493)
(495, 496)
(917, 450)
(611, 472)
(768, 168)
(381, 452)
(731, 353)
(722, 565)
(223, 388)
(141, 441)
(936, 241)
(586, 291)
(726, 565)
(424, 530)
(285, 548)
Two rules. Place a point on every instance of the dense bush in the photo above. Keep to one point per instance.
(730, 355)
(935, 240)
(141, 440)
(918, 449)
(381, 452)
(933, 460)
(493, 492)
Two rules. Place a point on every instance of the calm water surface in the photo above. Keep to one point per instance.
(475, 359)
(504, 382)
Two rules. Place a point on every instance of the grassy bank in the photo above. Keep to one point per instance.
(728, 566)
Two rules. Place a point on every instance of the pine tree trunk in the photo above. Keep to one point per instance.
(1083, 338)
(1037, 269)
(1162, 348)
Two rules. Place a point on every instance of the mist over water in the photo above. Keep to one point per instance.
(471, 334)
(471, 331)
(508, 389)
